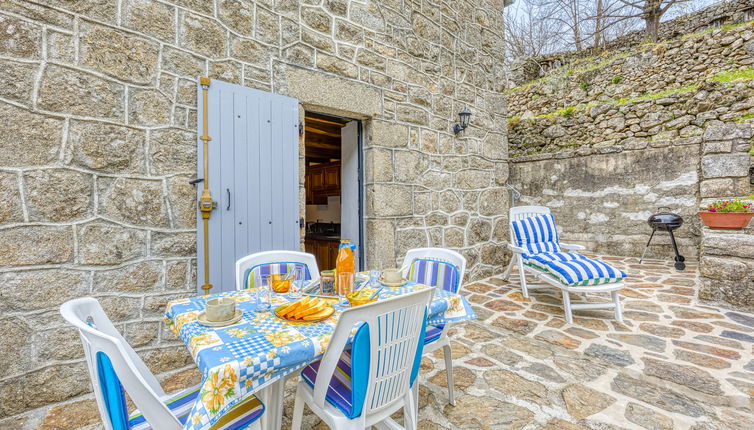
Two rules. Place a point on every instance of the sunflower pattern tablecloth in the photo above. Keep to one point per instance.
(238, 359)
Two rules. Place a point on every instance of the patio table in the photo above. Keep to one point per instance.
(253, 355)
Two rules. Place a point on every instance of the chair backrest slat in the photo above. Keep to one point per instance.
(518, 213)
(271, 257)
(100, 337)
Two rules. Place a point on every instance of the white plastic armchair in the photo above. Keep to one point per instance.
(252, 260)
(98, 335)
(458, 260)
(394, 333)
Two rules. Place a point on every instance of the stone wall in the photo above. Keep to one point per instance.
(720, 14)
(607, 142)
(98, 111)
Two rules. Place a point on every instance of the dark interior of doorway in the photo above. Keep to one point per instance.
(329, 177)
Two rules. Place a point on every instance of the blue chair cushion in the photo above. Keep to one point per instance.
(238, 417)
(433, 332)
(261, 270)
(536, 234)
(435, 273)
(573, 269)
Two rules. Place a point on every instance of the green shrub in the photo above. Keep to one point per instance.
(617, 79)
(584, 86)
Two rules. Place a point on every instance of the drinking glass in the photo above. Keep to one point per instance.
(297, 284)
(264, 294)
(345, 286)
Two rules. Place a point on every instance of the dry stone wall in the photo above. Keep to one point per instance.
(98, 112)
(720, 14)
(674, 130)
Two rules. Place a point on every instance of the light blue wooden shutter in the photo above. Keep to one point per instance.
(253, 177)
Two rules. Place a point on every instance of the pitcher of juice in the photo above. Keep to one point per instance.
(345, 263)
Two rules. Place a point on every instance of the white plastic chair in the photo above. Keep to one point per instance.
(394, 329)
(253, 260)
(518, 213)
(458, 260)
(104, 347)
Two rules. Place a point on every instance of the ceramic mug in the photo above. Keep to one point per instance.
(220, 309)
(392, 276)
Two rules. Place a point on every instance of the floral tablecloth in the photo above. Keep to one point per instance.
(236, 360)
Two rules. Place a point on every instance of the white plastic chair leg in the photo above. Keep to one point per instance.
(509, 269)
(618, 310)
(409, 412)
(522, 274)
(567, 307)
(447, 353)
(298, 411)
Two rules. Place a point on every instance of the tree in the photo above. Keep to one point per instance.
(651, 11)
(528, 32)
(568, 14)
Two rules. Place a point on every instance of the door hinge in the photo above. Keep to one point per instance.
(300, 128)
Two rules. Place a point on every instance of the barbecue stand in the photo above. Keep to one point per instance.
(666, 221)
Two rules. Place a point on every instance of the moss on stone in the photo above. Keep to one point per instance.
(742, 74)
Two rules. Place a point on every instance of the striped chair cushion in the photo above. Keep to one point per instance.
(259, 271)
(574, 269)
(435, 273)
(340, 392)
(238, 417)
(433, 332)
(536, 234)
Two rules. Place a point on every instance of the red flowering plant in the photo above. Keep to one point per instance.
(727, 206)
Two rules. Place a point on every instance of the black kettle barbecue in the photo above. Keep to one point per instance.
(666, 221)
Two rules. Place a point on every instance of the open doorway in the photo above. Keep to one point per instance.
(333, 183)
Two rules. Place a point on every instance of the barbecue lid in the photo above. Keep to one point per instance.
(665, 217)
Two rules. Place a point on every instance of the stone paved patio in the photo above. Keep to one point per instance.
(675, 363)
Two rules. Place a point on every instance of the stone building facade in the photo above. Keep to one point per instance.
(98, 112)
(605, 141)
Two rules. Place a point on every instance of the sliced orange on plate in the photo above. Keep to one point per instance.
(308, 309)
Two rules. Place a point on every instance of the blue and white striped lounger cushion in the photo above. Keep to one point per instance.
(536, 234)
(574, 269)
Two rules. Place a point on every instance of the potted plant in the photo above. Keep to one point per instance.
(727, 214)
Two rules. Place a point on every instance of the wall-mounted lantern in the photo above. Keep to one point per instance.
(464, 116)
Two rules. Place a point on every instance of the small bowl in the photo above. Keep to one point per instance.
(361, 297)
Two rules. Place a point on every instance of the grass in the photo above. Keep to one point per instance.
(743, 74)
(744, 117)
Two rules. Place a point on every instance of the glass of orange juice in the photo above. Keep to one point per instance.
(279, 282)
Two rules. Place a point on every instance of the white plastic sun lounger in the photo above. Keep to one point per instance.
(537, 252)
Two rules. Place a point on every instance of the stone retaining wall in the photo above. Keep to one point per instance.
(720, 14)
(605, 153)
(98, 112)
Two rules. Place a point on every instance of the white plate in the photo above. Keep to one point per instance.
(201, 319)
(394, 284)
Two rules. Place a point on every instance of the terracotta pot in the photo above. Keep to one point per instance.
(726, 221)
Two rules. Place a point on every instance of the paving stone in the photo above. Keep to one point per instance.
(647, 418)
(616, 356)
(744, 387)
(582, 401)
(558, 338)
(656, 395)
(462, 377)
(703, 360)
(558, 424)
(512, 384)
(520, 326)
(501, 354)
(580, 332)
(691, 313)
(738, 336)
(662, 330)
(544, 371)
(708, 349)
(689, 376)
(503, 305)
(487, 412)
(480, 362)
(582, 369)
(651, 343)
(722, 341)
(694, 325)
(746, 320)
